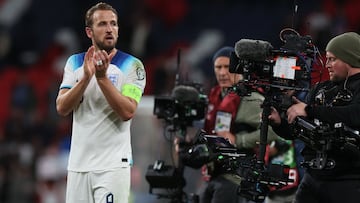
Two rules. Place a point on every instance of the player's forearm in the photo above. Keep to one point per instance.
(69, 99)
(124, 106)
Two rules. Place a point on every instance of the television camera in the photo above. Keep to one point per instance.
(277, 74)
(273, 72)
(324, 137)
(185, 105)
(261, 65)
(255, 178)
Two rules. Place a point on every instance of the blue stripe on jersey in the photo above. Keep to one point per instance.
(65, 87)
(123, 61)
(76, 61)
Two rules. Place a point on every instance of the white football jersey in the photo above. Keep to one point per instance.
(100, 138)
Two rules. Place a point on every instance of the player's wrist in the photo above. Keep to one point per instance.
(100, 74)
(87, 77)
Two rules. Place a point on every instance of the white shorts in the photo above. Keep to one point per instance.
(98, 187)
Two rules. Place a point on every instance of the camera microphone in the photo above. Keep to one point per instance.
(185, 93)
(254, 50)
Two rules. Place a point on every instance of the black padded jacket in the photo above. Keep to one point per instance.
(331, 103)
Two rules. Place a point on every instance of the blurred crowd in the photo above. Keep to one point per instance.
(37, 36)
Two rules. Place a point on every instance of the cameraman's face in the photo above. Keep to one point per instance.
(223, 76)
(338, 69)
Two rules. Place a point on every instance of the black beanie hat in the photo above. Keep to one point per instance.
(224, 51)
(346, 47)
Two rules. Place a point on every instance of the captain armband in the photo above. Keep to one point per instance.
(132, 91)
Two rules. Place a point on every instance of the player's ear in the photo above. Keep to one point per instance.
(89, 32)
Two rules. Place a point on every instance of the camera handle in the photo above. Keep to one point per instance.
(266, 105)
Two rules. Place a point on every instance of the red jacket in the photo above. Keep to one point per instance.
(230, 104)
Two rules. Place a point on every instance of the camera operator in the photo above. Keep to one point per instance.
(234, 118)
(330, 102)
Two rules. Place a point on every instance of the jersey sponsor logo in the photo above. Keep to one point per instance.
(110, 198)
(113, 78)
(140, 73)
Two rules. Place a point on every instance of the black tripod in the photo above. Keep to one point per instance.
(170, 178)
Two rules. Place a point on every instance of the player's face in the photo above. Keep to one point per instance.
(338, 70)
(105, 30)
(223, 76)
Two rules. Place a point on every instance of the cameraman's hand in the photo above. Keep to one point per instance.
(274, 117)
(227, 135)
(295, 110)
(177, 144)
